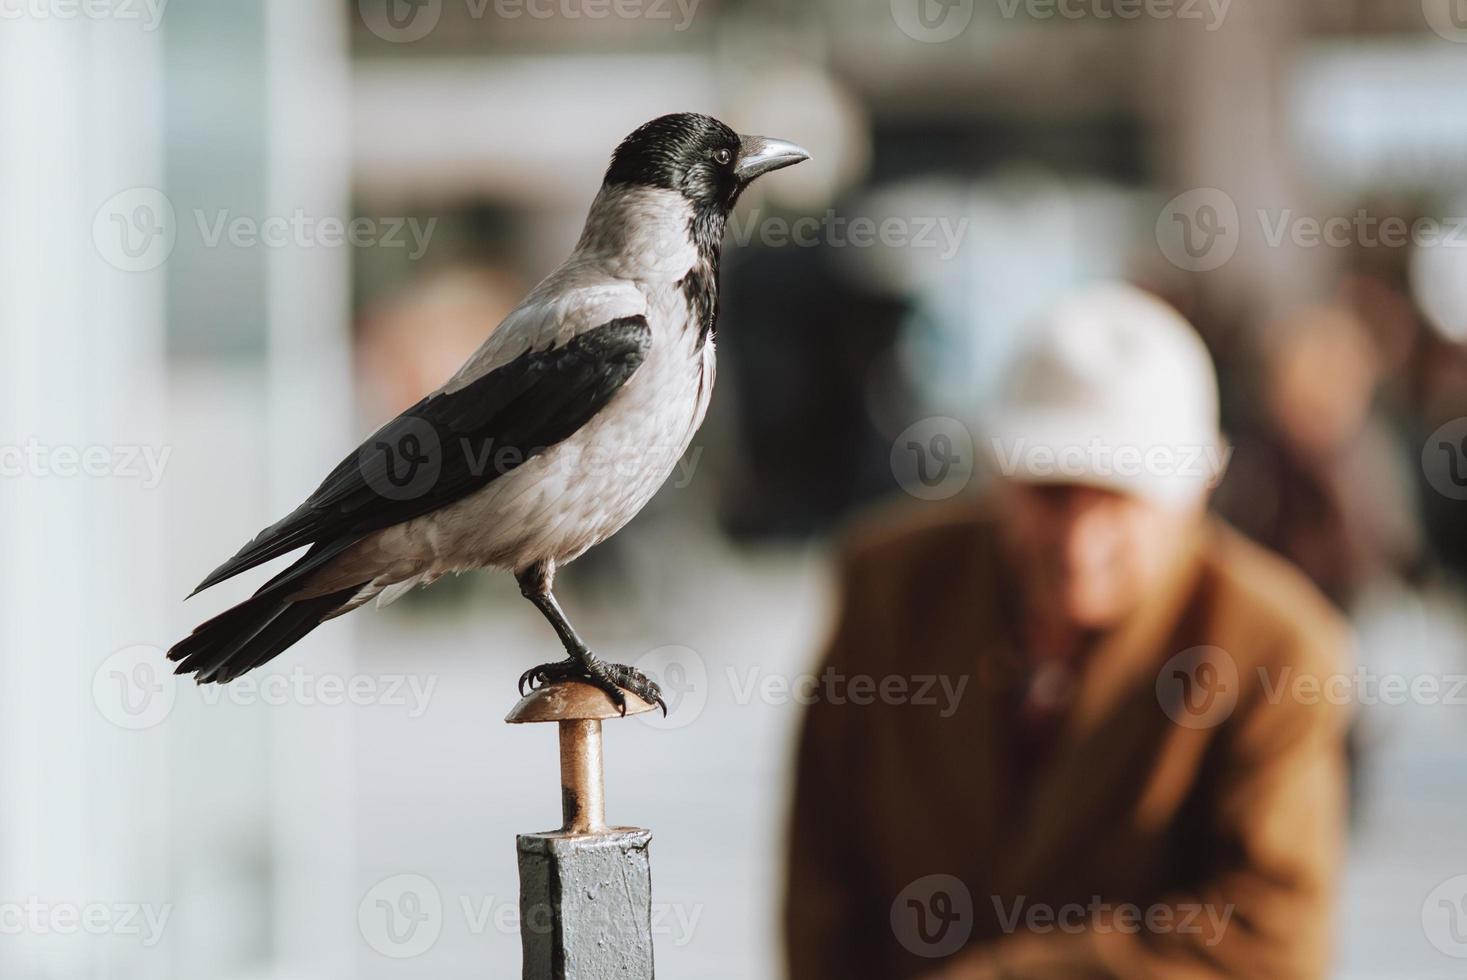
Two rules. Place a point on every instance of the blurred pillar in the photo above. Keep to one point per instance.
(214, 117)
(308, 425)
(82, 822)
(259, 336)
(1222, 98)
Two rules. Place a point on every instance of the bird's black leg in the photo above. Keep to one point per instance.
(580, 664)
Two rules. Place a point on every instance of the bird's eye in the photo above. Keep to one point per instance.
(723, 157)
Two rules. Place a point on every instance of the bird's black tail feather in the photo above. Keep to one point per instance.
(252, 633)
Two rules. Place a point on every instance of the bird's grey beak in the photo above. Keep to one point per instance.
(761, 154)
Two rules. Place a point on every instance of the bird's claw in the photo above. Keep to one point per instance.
(537, 677)
(625, 678)
(613, 679)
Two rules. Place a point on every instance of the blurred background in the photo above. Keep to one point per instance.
(236, 235)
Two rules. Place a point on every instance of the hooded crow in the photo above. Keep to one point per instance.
(551, 437)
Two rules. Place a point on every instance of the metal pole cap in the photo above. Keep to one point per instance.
(572, 701)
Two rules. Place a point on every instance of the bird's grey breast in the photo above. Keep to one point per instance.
(650, 423)
(584, 489)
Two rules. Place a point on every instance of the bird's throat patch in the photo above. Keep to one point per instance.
(700, 289)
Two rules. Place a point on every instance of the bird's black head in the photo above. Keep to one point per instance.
(698, 157)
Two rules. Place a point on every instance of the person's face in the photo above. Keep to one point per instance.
(1089, 556)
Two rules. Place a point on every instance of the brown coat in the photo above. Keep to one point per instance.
(1207, 791)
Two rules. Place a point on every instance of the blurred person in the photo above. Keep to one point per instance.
(1115, 777)
(1318, 477)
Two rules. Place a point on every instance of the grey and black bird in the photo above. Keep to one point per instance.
(505, 466)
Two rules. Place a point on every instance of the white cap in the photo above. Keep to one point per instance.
(1112, 388)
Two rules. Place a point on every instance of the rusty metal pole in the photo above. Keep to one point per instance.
(585, 889)
(582, 777)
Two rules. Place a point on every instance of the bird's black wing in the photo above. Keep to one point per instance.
(453, 443)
